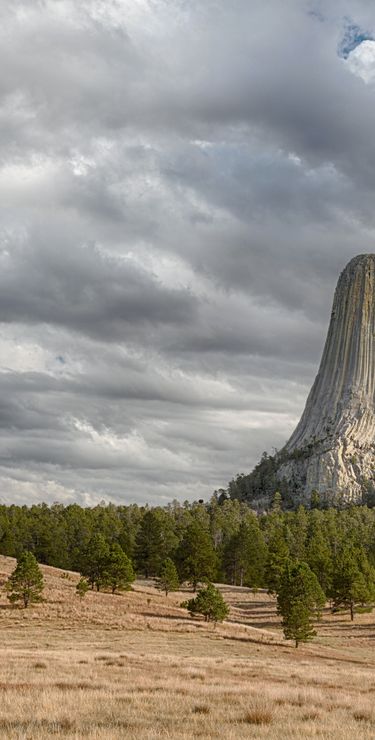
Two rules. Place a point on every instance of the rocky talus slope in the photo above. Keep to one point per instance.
(332, 450)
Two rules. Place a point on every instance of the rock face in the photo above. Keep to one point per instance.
(332, 450)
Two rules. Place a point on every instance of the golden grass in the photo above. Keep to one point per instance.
(259, 713)
(136, 666)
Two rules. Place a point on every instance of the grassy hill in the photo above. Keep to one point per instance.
(136, 665)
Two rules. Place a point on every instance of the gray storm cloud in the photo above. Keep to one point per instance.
(181, 183)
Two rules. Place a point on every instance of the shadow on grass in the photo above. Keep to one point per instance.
(253, 606)
(172, 617)
(256, 625)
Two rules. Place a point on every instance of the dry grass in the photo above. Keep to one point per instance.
(137, 666)
(259, 713)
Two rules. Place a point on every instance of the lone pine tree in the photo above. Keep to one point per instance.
(208, 602)
(26, 582)
(299, 598)
(118, 571)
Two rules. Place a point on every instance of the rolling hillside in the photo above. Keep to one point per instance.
(136, 665)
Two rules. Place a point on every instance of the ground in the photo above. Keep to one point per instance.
(136, 665)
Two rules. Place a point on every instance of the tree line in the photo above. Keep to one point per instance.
(221, 540)
(305, 557)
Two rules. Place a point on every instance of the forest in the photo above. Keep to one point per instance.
(222, 540)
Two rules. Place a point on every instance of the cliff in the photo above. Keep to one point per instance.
(332, 450)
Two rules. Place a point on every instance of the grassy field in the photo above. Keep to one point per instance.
(137, 666)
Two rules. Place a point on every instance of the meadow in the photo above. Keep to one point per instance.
(135, 665)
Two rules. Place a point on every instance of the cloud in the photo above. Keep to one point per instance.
(77, 286)
(181, 184)
(353, 37)
(361, 61)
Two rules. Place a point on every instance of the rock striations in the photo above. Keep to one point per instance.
(332, 450)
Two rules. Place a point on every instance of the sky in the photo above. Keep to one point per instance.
(181, 183)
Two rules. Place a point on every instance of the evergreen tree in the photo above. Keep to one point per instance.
(315, 499)
(155, 541)
(208, 602)
(245, 555)
(200, 513)
(278, 554)
(26, 582)
(299, 597)
(82, 588)
(298, 525)
(196, 556)
(7, 536)
(277, 503)
(352, 580)
(78, 533)
(95, 559)
(130, 519)
(106, 520)
(118, 571)
(168, 580)
(333, 530)
(225, 520)
(318, 551)
(47, 532)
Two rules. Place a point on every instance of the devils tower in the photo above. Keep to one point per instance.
(332, 449)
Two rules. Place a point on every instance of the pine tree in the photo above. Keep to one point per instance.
(196, 556)
(352, 579)
(245, 555)
(95, 559)
(26, 582)
(168, 580)
(278, 554)
(315, 499)
(155, 541)
(208, 602)
(298, 526)
(118, 571)
(318, 551)
(225, 519)
(299, 597)
(277, 503)
(82, 588)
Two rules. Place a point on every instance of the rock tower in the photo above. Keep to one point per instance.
(332, 450)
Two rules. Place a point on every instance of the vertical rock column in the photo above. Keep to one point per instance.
(332, 448)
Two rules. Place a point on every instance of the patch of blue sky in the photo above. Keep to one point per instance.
(353, 37)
